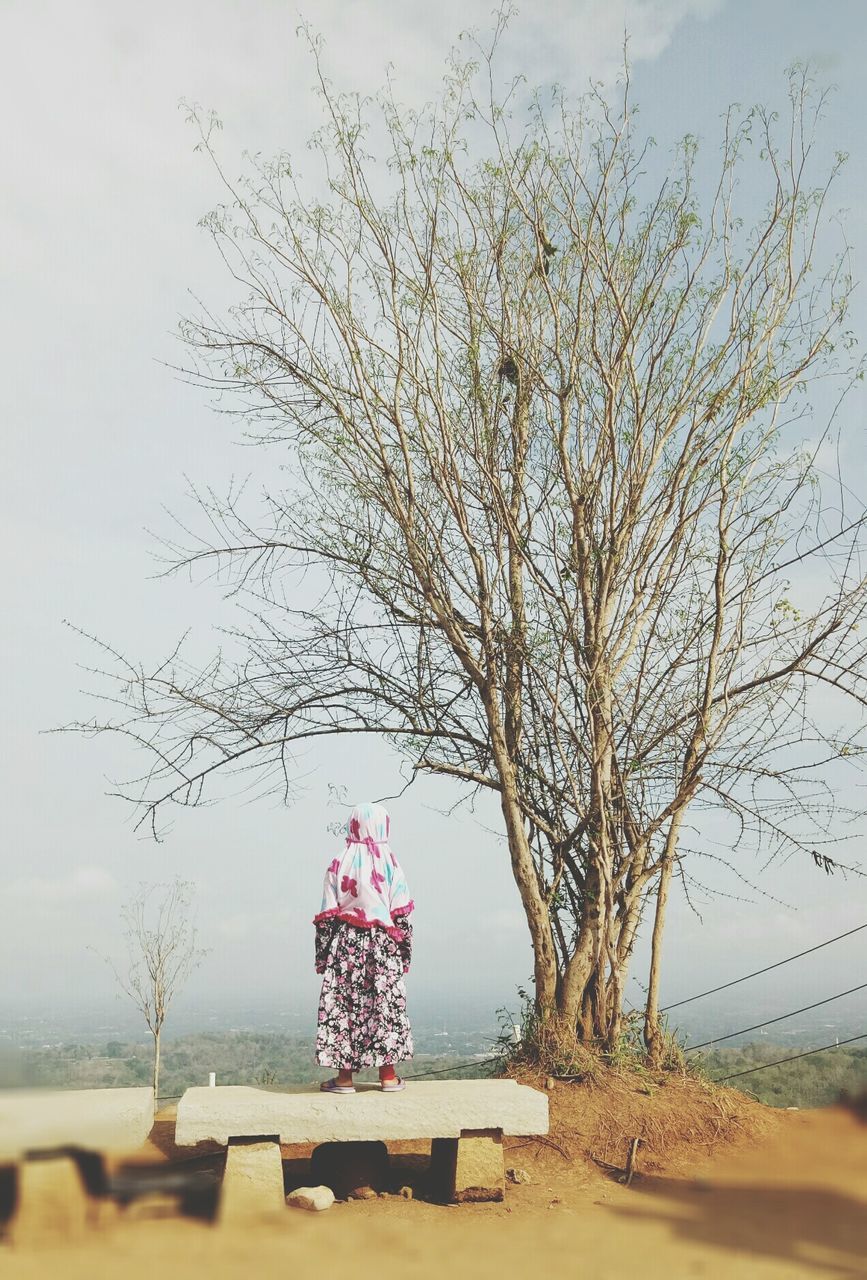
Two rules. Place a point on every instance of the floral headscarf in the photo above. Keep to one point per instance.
(365, 885)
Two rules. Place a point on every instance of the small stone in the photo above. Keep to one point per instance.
(313, 1198)
(362, 1193)
(518, 1176)
(153, 1204)
(406, 1192)
(549, 1083)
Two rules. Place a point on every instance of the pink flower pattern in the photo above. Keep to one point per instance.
(362, 1019)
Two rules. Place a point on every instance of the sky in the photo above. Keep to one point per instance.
(101, 254)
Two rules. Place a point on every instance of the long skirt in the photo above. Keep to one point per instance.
(362, 1009)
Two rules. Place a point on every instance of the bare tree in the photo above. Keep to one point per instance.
(551, 456)
(161, 954)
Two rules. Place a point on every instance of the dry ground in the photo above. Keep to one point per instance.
(725, 1188)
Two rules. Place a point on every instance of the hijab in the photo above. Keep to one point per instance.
(365, 884)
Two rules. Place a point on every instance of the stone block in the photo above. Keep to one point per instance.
(51, 1202)
(470, 1167)
(104, 1120)
(479, 1168)
(252, 1181)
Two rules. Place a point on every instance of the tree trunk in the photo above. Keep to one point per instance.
(156, 1068)
(652, 1030)
(573, 1005)
(535, 908)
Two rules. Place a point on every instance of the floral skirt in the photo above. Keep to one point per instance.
(362, 1009)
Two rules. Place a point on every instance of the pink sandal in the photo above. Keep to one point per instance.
(392, 1086)
(331, 1086)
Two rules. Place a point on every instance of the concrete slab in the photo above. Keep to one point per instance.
(106, 1120)
(428, 1109)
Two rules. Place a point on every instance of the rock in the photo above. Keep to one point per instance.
(313, 1198)
(518, 1176)
(406, 1192)
(549, 1083)
(362, 1193)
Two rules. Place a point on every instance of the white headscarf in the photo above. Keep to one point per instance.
(365, 885)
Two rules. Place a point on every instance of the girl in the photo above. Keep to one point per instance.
(363, 948)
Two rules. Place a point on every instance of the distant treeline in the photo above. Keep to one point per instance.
(814, 1081)
(237, 1057)
(282, 1060)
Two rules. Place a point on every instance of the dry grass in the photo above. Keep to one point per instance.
(678, 1118)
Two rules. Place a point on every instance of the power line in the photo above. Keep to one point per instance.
(837, 1045)
(421, 1075)
(767, 969)
(770, 1021)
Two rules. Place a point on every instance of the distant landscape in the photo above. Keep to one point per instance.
(93, 1053)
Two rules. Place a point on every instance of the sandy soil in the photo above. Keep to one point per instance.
(725, 1189)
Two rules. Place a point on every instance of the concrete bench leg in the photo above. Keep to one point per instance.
(51, 1201)
(470, 1167)
(252, 1180)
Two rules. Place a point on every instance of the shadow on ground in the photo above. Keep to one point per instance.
(805, 1226)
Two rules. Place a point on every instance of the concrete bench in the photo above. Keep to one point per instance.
(55, 1140)
(99, 1120)
(464, 1119)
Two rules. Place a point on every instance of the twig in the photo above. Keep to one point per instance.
(630, 1160)
(548, 1142)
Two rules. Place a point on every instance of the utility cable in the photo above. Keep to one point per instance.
(421, 1075)
(764, 1066)
(767, 969)
(770, 1021)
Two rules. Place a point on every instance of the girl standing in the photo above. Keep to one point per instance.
(363, 949)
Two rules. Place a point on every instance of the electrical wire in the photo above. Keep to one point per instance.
(767, 969)
(422, 1075)
(764, 1066)
(693, 1048)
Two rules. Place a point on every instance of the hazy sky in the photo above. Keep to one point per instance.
(100, 253)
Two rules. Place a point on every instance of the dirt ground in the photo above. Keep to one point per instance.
(724, 1188)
